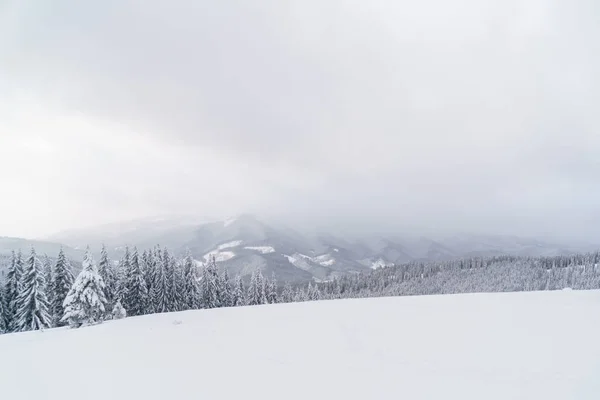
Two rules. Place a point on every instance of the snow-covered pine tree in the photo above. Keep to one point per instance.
(300, 295)
(313, 292)
(238, 297)
(191, 286)
(226, 295)
(135, 298)
(121, 271)
(160, 287)
(109, 276)
(118, 311)
(13, 287)
(3, 316)
(177, 286)
(210, 285)
(62, 281)
(150, 269)
(47, 269)
(32, 313)
(85, 303)
(271, 290)
(256, 290)
(287, 296)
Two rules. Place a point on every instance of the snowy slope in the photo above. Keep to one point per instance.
(538, 345)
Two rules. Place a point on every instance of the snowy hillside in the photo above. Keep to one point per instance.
(538, 345)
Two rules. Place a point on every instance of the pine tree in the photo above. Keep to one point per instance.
(149, 270)
(238, 296)
(85, 303)
(62, 281)
(226, 290)
(313, 292)
(256, 290)
(177, 286)
(47, 270)
(160, 287)
(135, 297)
(3, 315)
(110, 278)
(118, 311)
(191, 286)
(271, 290)
(287, 296)
(13, 287)
(210, 285)
(32, 313)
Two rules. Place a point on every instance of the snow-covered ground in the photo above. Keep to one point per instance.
(261, 249)
(540, 345)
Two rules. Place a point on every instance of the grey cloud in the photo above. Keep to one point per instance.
(470, 115)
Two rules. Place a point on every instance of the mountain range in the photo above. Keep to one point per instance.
(246, 243)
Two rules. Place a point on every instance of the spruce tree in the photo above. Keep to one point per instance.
(47, 269)
(32, 313)
(287, 296)
(3, 315)
(271, 290)
(256, 290)
(226, 295)
(13, 287)
(210, 285)
(149, 269)
(191, 286)
(238, 297)
(135, 298)
(160, 287)
(110, 278)
(177, 285)
(85, 303)
(62, 281)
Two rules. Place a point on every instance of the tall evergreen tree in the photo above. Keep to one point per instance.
(110, 278)
(135, 298)
(13, 287)
(210, 285)
(271, 290)
(62, 281)
(256, 290)
(238, 297)
(226, 295)
(191, 286)
(160, 287)
(149, 269)
(3, 316)
(47, 269)
(177, 286)
(287, 296)
(85, 303)
(32, 313)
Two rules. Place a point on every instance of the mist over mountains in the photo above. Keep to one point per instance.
(246, 243)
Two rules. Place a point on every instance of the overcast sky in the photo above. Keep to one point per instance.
(428, 116)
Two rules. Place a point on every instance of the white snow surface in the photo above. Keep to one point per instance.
(261, 249)
(229, 245)
(379, 264)
(537, 345)
(220, 256)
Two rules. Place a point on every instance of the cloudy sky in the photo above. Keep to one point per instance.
(429, 116)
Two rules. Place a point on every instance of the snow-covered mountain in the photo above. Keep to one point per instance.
(246, 243)
(537, 345)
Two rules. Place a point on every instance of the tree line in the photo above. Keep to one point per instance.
(38, 295)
